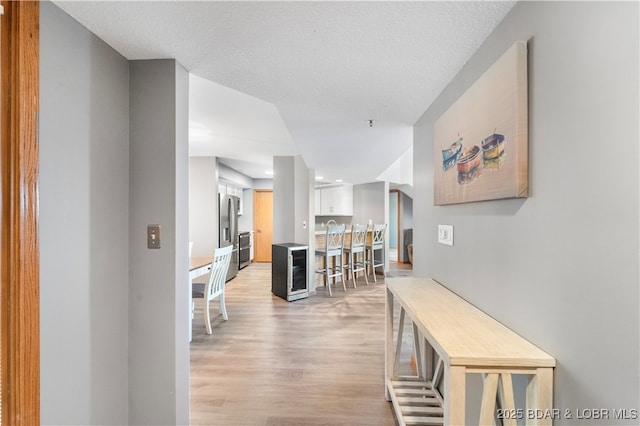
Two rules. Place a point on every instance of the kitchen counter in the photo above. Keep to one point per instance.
(324, 231)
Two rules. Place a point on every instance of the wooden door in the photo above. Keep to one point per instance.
(262, 224)
(19, 260)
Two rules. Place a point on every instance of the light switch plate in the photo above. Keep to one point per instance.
(153, 236)
(445, 234)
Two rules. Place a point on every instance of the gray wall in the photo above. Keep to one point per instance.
(263, 184)
(560, 267)
(283, 200)
(371, 203)
(304, 219)
(292, 207)
(159, 284)
(113, 156)
(405, 204)
(291, 204)
(203, 205)
(227, 174)
(83, 225)
(245, 222)
(394, 202)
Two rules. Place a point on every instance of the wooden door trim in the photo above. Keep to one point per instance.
(19, 261)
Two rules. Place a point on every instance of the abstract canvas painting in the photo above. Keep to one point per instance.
(481, 142)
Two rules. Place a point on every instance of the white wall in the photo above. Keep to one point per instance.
(159, 284)
(560, 267)
(203, 205)
(83, 225)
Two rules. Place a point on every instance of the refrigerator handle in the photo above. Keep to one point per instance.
(232, 222)
(230, 216)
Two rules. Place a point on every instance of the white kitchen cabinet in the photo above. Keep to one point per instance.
(228, 189)
(334, 200)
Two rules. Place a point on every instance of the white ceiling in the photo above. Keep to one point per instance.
(285, 78)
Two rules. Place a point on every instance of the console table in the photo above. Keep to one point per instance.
(453, 338)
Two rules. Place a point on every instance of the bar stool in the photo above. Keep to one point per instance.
(374, 244)
(356, 263)
(333, 249)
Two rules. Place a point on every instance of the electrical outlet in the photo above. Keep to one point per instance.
(445, 234)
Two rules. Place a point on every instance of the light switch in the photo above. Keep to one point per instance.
(153, 236)
(445, 234)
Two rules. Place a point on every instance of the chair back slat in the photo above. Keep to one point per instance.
(377, 235)
(335, 237)
(219, 268)
(358, 237)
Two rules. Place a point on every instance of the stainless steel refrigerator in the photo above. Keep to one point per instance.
(228, 229)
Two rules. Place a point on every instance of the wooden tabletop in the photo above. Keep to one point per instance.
(198, 262)
(461, 333)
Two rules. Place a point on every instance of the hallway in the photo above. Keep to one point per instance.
(315, 361)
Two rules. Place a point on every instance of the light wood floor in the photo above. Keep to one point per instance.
(315, 361)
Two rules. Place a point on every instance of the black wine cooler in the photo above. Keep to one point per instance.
(289, 271)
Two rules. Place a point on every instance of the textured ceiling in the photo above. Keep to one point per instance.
(325, 68)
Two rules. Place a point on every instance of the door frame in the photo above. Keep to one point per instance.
(19, 258)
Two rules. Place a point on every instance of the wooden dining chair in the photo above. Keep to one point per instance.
(215, 285)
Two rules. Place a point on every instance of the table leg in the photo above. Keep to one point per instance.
(540, 395)
(489, 390)
(388, 348)
(417, 346)
(399, 336)
(427, 361)
(454, 395)
(506, 397)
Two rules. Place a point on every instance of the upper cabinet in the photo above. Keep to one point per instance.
(334, 200)
(234, 190)
(228, 189)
